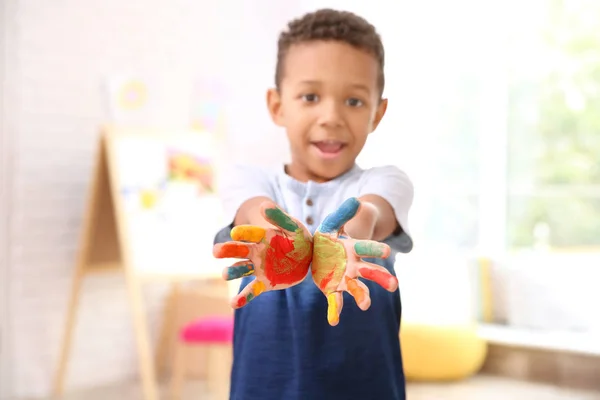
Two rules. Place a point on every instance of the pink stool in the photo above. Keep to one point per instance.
(216, 333)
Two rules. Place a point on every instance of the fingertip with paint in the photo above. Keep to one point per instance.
(333, 314)
(217, 250)
(370, 248)
(248, 233)
(238, 270)
(350, 206)
(278, 217)
(238, 302)
(344, 213)
(393, 286)
(365, 304)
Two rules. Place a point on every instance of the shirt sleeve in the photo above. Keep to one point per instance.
(396, 188)
(240, 183)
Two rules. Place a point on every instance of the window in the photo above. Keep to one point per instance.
(495, 114)
(554, 128)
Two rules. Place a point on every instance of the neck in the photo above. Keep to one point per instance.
(303, 174)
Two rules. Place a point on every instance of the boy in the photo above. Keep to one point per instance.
(329, 82)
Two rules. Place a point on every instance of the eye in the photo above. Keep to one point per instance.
(310, 98)
(354, 102)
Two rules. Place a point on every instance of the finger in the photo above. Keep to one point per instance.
(371, 248)
(335, 302)
(278, 217)
(248, 233)
(360, 292)
(249, 293)
(232, 250)
(379, 275)
(238, 270)
(336, 220)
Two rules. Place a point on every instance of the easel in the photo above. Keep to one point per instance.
(105, 248)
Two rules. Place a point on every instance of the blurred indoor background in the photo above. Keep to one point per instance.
(494, 112)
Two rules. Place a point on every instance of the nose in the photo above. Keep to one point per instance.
(330, 114)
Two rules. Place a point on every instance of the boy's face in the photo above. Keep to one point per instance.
(328, 103)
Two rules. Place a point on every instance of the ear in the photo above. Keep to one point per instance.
(379, 113)
(274, 106)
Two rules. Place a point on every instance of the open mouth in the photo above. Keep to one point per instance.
(329, 148)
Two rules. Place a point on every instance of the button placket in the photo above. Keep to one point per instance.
(308, 211)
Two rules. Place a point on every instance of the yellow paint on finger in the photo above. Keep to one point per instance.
(248, 233)
(333, 316)
(258, 288)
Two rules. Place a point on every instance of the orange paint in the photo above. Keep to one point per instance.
(356, 291)
(232, 250)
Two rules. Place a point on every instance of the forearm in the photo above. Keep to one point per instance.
(362, 226)
(250, 214)
(374, 221)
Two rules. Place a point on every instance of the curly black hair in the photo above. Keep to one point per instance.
(329, 24)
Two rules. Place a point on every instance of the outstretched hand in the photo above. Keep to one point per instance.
(278, 257)
(337, 262)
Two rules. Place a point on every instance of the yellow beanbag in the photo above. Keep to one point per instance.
(441, 353)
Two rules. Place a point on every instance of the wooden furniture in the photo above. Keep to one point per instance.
(215, 334)
(187, 303)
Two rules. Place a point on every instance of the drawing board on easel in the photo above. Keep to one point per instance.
(152, 213)
(164, 187)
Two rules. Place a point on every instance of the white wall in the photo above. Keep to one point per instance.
(6, 10)
(62, 52)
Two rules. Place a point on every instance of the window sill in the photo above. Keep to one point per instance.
(570, 342)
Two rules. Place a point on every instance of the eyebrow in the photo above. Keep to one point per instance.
(359, 86)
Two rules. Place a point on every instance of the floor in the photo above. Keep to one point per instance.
(478, 388)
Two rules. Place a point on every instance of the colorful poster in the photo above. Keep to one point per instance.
(171, 208)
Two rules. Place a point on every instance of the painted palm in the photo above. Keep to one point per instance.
(278, 257)
(338, 262)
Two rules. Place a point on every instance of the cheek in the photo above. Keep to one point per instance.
(297, 133)
(298, 127)
(361, 125)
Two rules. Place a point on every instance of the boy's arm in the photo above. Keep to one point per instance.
(249, 212)
(386, 195)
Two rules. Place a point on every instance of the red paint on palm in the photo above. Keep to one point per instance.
(281, 266)
(280, 246)
(325, 281)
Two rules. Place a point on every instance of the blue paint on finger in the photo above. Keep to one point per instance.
(239, 271)
(337, 219)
